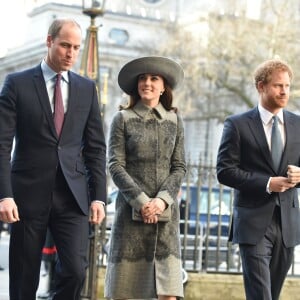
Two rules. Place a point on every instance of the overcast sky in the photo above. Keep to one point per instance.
(13, 19)
(13, 24)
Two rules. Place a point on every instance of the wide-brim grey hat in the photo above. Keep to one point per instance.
(170, 70)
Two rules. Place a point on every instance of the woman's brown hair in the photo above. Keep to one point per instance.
(166, 99)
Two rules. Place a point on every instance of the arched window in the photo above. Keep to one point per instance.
(119, 36)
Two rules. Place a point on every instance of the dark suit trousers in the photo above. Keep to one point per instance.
(266, 264)
(69, 228)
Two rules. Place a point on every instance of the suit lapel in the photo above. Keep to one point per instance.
(41, 89)
(42, 93)
(289, 131)
(257, 129)
(73, 84)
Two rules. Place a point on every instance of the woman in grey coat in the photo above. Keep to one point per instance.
(147, 164)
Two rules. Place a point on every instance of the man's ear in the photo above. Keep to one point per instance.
(260, 86)
(48, 41)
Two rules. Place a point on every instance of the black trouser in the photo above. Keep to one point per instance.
(266, 264)
(69, 228)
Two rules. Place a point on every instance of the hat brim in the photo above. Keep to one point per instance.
(170, 70)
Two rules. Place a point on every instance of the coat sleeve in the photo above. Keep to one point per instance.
(117, 165)
(171, 186)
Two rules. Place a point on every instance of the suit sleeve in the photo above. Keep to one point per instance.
(233, 167)
(94, 152)
(7, 132)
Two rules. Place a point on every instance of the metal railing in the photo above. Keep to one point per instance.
(97, 238)
(205, 223)
(206, 209)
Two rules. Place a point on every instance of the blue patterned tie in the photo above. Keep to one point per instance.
(276, 144)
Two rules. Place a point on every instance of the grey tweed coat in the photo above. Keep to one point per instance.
(146, 160)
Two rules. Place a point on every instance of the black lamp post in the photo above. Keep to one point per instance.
(90, 68)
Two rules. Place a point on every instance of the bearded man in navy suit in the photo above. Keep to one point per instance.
(55, 179)
(266, 216)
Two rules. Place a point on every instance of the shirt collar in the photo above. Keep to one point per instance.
(49, 74)
(266, 116)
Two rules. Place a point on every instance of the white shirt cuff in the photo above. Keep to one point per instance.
(268, 186)
(99, 201)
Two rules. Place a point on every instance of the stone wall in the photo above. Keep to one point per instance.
(202, 286)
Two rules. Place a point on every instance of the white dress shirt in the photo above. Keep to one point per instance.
(50, 78)
(267, 122)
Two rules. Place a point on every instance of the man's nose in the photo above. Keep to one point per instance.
(284, 90)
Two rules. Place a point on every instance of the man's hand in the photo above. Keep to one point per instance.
(293, 173)
(9, 211)
(97, 212)
(280, 184)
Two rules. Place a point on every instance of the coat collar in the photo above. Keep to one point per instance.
(143, 110)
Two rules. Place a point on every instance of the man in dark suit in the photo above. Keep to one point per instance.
(56, 177)
(266, 218)
(1, 229)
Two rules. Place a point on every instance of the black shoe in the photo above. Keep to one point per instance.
(1, 268)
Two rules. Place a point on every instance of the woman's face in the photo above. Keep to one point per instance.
(150, 87)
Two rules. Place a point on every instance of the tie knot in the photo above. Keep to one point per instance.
(58, 77)
(275, 120)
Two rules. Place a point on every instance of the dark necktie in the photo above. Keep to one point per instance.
(59, 113)
(276, 144)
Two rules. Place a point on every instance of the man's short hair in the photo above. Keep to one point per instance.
(264, 71)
